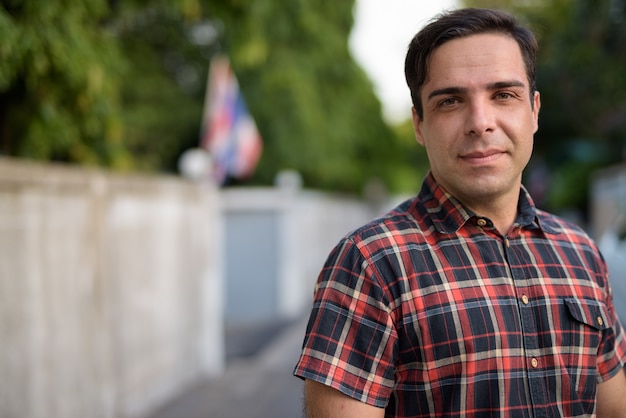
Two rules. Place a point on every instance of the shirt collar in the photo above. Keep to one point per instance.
(448, 215)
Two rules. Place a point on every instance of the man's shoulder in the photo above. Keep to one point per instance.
(563, 228)
(405, 219)
(558, 223)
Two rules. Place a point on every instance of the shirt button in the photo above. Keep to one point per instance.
(534, 362)
(525, 299)
(481, 222)
(600, 320)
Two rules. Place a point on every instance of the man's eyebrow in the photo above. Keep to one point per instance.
(459, 90)
(505, 84)
(446, 91)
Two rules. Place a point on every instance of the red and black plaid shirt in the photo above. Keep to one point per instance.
(429, 311)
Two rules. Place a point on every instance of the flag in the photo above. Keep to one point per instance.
(229, 133)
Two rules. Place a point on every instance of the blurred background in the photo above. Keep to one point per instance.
(143, 254)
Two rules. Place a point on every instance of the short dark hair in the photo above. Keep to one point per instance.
(458, 24)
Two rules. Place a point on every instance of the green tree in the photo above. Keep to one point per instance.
(162, 91)
(121, 84)
(315, 107)
(59, 83)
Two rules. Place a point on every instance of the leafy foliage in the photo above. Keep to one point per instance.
(121, 84)
(315, 107)
(163, 88)
(58, 83)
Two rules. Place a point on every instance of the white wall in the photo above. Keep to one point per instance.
(109, 291)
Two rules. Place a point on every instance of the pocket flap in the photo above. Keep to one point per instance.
(590, 312)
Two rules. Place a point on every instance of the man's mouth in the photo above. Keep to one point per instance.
(482, 157)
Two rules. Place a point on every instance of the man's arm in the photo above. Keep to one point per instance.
(611, 398)
(321, 401)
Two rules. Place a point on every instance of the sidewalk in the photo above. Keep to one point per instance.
(258, 386)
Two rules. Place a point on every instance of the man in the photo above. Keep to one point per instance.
(467, 300)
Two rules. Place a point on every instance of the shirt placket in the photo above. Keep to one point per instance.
(536, 373)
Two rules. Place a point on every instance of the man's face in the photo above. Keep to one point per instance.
(479, 121)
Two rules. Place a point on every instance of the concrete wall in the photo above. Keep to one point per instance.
(110, 291)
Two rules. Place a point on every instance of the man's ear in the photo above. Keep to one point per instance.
(536, 107)
(417, 126)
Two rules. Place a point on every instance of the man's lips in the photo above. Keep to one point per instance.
(482, 156)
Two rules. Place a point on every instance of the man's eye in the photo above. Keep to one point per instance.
(503, 96)
(448, 102)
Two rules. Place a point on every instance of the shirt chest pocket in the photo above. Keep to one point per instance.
(590, 313)
(580, 342)
(582, 327)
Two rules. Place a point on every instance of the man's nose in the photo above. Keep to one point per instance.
(479, 118)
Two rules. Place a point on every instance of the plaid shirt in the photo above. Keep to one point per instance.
(430, 311)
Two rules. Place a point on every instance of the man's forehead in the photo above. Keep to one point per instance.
(478, 47)
(483, 59)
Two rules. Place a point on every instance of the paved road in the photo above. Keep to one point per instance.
(258, 386)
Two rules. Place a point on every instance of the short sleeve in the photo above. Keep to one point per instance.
(612, 354)
(350, 338)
